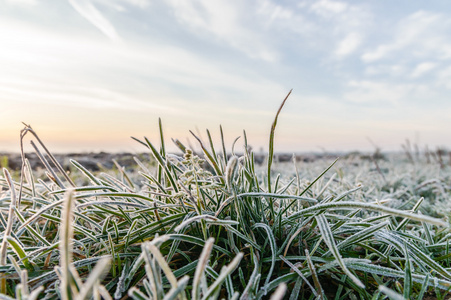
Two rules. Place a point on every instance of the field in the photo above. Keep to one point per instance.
(216, 224)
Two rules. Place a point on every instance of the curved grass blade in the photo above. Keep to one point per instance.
(210, 158)
(174, 292)
(367, 206)
(200, 270)
(319, 288)
(360, 236)
(252, 280)
(85, 171)
(96, 275)
(197, 241)
(223, 276)
(272, 243)
(294, 268)
(20, 252)
(207, 219)
(330, 241)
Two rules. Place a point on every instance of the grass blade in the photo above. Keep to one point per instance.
(68, 289)
(222, 277)
(330, 241)
(271, 141)
(367, 206)
(8, 229)
(390, 293)
(272, 243)
(202, 265)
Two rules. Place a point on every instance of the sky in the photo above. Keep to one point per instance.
(88, 74)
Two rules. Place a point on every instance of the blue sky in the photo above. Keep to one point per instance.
(87, 74)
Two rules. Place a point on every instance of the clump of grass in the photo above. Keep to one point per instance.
(209, 226)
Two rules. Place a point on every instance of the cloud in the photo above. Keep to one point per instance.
(391, 70)
(376, 92)
(339, 28)
(22, 2)
(226, 22)
(420, 35)
(72, 96)
(327, 8)
(95, 17)
(423, 68)
(123, 5)
(348, 45)
(138, 3)
(444, 78)
(81, 71)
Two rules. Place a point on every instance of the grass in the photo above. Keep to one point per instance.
(217, 225)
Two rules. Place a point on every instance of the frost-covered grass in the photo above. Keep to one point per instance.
(219, 226)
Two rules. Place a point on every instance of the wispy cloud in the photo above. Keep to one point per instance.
(423, 68)
(223, 21)
(328, 8)
(58, 72)
(122, 6)
(22, 2)
(421, 34)
(348, 45)
(87, 9)
(444, 77)
(377, 93)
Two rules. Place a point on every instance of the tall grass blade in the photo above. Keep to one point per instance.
(68, 290)
(8, 229)
(271, 142)
(96, 275)
(407, 276)
(319, 288)
(222, 277)
(273, 245)
(212, 160)
(200, 270)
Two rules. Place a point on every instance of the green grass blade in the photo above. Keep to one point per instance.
(330, 241)
(18, 249)
(319, 288)
(367, 206)
(271, 142)
(174, 292)
(222, 277)
(407, 276)
(212, 160)
(294, 268)
(273, 245)
(161, 161)
(97, 274)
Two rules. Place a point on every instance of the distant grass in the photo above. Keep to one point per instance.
(219, 226)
